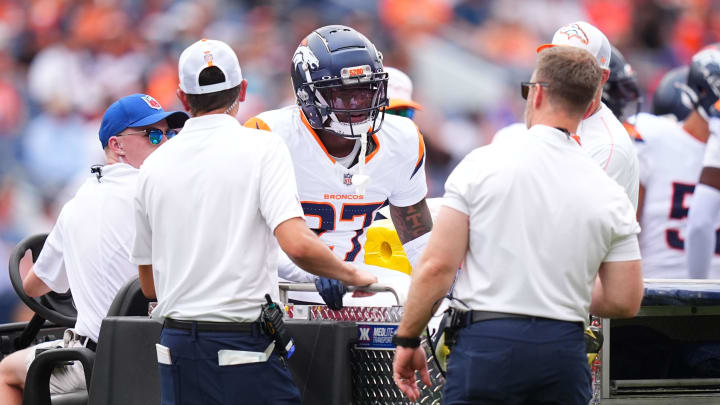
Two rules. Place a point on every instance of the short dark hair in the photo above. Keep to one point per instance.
(573, 74)
(200, 103)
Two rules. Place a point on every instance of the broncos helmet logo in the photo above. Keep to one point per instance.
(706, 58)
(574, 31)
(305, 56)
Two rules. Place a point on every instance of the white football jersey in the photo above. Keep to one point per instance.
(670, 164)
(332, 208)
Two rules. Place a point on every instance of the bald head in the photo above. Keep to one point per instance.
(573, 76)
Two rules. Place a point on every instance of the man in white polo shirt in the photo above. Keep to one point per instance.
(601, 134)
(534, 220)
(207, 207)
(88, 249)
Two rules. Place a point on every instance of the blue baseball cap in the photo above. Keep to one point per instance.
(137, 110)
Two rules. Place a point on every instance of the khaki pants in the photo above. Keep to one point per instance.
(64, 379)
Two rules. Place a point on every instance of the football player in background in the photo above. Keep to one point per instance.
(703, 86)
(669, 98)
(621, 93)
(670, 155)
(350, 157)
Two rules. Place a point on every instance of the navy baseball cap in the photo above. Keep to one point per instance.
(137, 110)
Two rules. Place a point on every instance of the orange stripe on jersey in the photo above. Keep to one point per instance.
(421, 148)
(257, 123)
(314, 134)
(377, 148)
(633, 132)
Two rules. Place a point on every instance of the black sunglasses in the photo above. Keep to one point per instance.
(154, 134)
(525, 87)
(403, 112)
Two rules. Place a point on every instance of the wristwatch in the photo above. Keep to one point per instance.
(410, 342)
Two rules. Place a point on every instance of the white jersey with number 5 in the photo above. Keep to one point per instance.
(332, 207)
(670, 164)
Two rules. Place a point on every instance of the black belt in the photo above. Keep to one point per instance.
(87, 342)
(203, 326)
(479, 316)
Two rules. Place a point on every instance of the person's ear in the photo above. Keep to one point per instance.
(605, 76)
(115, 146)
(539, 96)
(243, 90)
(183, 99)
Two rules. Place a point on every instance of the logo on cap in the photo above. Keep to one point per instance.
(208, 58)
(574, 31)
(152, 102)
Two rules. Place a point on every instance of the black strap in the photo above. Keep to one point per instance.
(563, 130)
(202, 326)
(87, 342)
(479, 316)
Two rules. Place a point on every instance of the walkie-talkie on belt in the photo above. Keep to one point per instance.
(271, 319)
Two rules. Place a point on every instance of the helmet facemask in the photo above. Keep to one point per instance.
(348, 106)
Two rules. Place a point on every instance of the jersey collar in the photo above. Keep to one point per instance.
(324, 149)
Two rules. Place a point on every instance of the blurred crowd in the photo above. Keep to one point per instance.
(62, 62)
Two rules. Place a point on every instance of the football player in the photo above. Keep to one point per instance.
(670, 155)
(621, 93)
(350, 157)
(669, 98)
(702, 235)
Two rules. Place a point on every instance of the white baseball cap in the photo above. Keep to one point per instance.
(203, 54)
(584, 36)
(400, 89)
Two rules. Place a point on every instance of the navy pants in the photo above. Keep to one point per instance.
(519, 361)
(195, 377)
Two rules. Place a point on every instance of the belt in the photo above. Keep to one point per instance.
(479, 316)
(87, 342)
(202, 326)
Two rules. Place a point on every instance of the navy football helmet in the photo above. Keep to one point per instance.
(669, 97)
(622, 87)
(703, 82)
(339, 82)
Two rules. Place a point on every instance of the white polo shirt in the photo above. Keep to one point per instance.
(206, 207)
(87, 251)
(605, 139)
(543, 217)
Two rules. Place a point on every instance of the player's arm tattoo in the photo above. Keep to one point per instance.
(411, 222)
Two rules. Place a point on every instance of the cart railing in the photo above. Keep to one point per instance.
(310, 287)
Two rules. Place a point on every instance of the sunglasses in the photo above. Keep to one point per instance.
(525, 87)
(154, 134)
(403, 112)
